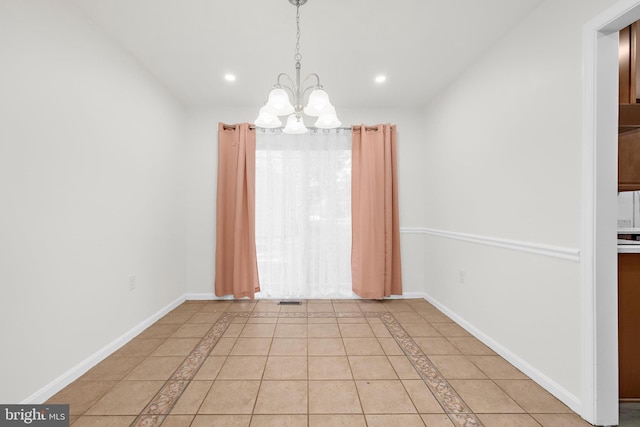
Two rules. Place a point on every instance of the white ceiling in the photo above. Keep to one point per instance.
(421, 45)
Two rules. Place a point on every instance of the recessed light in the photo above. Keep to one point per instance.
(230, 77)
(381, 78)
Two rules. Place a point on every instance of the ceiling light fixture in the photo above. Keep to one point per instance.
(286, 98)
(381, 78)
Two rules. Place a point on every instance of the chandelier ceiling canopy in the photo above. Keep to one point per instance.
(288, 94)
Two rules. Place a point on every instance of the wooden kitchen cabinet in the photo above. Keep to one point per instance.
(629, 160)
(629, 325)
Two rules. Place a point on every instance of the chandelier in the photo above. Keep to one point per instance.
(287, 97)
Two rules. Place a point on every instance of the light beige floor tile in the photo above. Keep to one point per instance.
(210, 368)
(424, 401)
(215, 306)
(230, 397)
(221, 420)
(372, 368)
(192, 330)
(390, 347)
(320, 308)
(421, 329)
(102, 421)
(240, 319)
(408, 317)
(258, 330)
(279, 421)
(449, 329)
(564, 420)
(398, 306)
(337, 421)
(241, 306)
(380, 330)
(471, 346)
(284, 330)
(484, 396)
(384, 397)
(251, 347)
(329, 368)
(508, 420)
(112, 368)
(362, 347)
(532, 397)
(356, 330)
(322, 320)
(262, 320)
(333, 397)
(288, 347)
(233, 331)
(191, 398)
(457, 367)
(436, 346)
(290, 320)
(403, 367)
(178, 421)
(267, 307)
(434, 316)
(282, 397)
(176, 347)
(176, 317)
(302, 308)
(223, 347)
(495, 367)
(372, 307)
(326, 347)
(126, 398)
(404, 420)
(286, 368)
(81, 395)
(346, 308)
(208, 318)
(243, 368)
(160, 330)
(322, 330)
(155, 368)
(358, 318)
(436, 420)
(139, 347)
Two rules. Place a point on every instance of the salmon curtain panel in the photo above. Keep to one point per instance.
(375, 251)
(236, 263)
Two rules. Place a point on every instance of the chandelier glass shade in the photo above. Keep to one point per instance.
(288, 94)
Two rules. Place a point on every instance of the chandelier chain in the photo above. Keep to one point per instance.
(297, 57)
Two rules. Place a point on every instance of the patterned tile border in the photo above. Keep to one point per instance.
(161, 404)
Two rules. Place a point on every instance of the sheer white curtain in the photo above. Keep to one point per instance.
(303, 213)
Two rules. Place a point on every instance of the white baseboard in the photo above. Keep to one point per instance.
(77, 371)
(212, 297)
(566, 397)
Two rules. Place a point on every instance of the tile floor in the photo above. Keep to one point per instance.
(323, 363)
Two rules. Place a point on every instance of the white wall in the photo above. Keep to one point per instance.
(201, 188)
(91, 185)
(503, 160)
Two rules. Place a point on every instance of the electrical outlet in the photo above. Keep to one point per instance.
(461, 275)
(132, 283)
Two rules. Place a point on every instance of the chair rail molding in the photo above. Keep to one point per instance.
(570, 254)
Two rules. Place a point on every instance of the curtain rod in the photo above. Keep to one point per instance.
(310, 128)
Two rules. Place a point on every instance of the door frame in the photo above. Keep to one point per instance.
(599, 275)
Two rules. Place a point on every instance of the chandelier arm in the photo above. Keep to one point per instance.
(306, 90)
(318, 85)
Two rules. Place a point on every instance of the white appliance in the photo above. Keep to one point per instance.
(629, 212)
